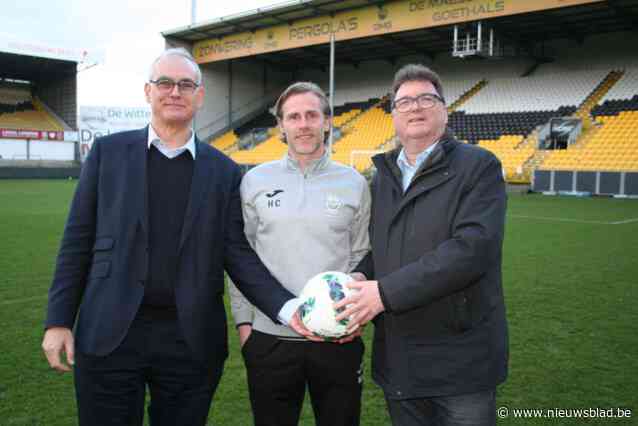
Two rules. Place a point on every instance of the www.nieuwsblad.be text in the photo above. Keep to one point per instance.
(564, 413)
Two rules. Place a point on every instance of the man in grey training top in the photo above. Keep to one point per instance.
(304, 214)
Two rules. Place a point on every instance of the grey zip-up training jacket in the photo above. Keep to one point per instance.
(301, 224)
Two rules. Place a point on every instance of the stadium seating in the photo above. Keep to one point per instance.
(12, 95)
(453, 90)
(271, 149)
(490, 126)
(264, 120)
(543, 93)
(501, 107)
(622, 97)
(34, 119)
(366, 133)
(613, 147)
(225, 141)
(19, 110)
(512, 153)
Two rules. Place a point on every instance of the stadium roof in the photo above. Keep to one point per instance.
(525, 30)
(34, 68)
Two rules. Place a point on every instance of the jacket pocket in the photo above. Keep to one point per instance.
(103, 243)
(100, 270)
(461, 318)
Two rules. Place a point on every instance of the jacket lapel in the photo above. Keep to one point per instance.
(199, 188)
(137, 160)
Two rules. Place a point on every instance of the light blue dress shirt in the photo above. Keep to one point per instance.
(408, 170)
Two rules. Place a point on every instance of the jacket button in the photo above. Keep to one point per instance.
(399, 393)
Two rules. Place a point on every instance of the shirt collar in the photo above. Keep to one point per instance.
(154, 139)
(402, 160)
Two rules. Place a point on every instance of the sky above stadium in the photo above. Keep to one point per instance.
(128, 32)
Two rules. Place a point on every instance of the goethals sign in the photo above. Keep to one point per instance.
(396, 16)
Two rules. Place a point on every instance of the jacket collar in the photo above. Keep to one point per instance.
(290, 164)
(388, 160)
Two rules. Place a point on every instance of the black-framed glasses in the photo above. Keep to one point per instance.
(425, 101)
(166, 85)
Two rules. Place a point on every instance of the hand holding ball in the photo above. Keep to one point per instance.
(318, 296)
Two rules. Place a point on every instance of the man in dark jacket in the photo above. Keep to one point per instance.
(435, 292)
(155, 221)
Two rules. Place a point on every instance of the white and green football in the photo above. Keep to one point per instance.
(318, 296)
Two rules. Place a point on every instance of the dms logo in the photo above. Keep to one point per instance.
(383, 13)
(271, 42)
(384, 23)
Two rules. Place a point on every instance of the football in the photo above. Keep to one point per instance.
(318, 296)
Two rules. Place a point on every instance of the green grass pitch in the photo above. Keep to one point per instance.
(571, 286)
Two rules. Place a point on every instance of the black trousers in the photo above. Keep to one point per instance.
(111, 390)
(279, 370)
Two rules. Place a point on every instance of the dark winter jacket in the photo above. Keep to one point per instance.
(436, 252)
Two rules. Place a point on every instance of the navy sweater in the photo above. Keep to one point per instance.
(169, 183)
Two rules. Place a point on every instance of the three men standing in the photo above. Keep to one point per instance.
(156, 219)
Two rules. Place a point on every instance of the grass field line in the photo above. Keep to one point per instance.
(569, 220)
(622, 222)
(23, 300)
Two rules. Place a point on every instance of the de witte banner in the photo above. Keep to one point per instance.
(97, 121)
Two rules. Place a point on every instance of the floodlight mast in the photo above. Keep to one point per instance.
(331, 91)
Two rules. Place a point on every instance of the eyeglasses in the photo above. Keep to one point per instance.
(166, 85)
(425, 101)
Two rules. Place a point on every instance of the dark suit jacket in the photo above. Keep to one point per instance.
(103, 259)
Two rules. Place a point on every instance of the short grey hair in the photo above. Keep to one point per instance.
(298, 88)
(182, 53)
(416, 72)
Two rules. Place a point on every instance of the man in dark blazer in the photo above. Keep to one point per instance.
(155, 221)
(438, 213)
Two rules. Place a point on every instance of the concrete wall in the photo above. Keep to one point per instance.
(20, 149)
(13, 149)
(254, 86)
(60, 94)
(214, 113)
